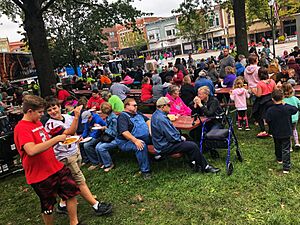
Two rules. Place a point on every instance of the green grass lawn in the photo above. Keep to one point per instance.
(256, 193)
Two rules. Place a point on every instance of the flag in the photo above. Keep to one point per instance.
(276, 13)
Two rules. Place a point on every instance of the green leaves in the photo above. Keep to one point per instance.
(193, 20)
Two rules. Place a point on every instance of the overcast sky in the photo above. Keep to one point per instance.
(158, 7)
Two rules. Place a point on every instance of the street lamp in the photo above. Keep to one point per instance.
(271, 5)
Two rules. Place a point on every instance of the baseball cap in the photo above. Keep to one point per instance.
(202, 73)
(85, 116)
(59, 86)
(162, 101)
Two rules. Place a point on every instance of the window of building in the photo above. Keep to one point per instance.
(211, 21)
(169, 32)
(114, 44)
(157, 36)
(111, 34)
(151, 37)
(217, 20)
(229, 17)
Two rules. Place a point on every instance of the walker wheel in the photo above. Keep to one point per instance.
(214, 154)
(229, 168)
(239, 155)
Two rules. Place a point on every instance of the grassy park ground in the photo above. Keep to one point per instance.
(256, 193)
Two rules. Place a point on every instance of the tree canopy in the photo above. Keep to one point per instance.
(261, 10)
(194, 19)
(72, 26)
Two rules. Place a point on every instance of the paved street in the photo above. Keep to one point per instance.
(279, 48)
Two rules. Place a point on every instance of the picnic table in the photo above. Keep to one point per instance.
(17, 110)
(224, 90)
(185, 122)
(297, 89)
(135, 93)
(83, 92)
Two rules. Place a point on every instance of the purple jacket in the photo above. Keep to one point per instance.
(229, 80)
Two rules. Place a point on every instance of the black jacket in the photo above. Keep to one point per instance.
(187, 93)
(211, 108)
(279, 118)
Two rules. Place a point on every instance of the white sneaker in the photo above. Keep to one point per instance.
(286, 171)
(92, 167)
(157, 157)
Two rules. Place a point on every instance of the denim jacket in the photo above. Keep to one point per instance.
(164, 134)
(111, 121)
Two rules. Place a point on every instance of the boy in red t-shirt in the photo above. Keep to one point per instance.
(47, 176)
(95, 101)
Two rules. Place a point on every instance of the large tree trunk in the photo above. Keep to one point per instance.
(240, 26)
(74, 61)
(36, 32)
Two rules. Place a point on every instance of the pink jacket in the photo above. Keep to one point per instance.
(239, 96)
(178, 107)
(251, 75)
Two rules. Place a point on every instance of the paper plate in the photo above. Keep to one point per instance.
(86, 139)
(97, 128)
(172, 117)
(69, 140)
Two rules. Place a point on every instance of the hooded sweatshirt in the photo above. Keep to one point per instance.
(251, 75)
(178, 107)
(95, 102)
(146, 92)
(239, 96)
(157, 88)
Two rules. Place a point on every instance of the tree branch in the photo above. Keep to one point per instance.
(18, 3)
(47, 5)
(84, 3)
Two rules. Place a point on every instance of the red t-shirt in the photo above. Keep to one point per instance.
(146, 93)
(95, 102)
(38, 167)
(62, 95)
(266, 88)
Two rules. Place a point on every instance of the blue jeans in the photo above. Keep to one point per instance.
(141, 155)
(89, 149)
(83, 154)
(102, 150)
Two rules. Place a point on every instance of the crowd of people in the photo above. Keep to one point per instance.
(110, 120)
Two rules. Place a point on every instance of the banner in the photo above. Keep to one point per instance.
(15, 66)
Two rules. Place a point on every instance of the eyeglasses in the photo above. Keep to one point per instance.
(135, 105)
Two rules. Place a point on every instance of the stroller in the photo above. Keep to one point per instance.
(223, 138)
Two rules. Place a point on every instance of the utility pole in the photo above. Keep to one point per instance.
(273, 25)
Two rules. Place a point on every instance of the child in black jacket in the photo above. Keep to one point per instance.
(279, 118)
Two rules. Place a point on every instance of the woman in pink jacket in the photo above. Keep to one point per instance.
(239, 95)
(177, 106)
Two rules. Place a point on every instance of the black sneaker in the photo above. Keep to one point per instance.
(146, 176)
(81, 223)
(103, 209)
(211, 169)
(62, 210)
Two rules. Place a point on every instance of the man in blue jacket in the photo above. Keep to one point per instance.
(91, 120)
(167, 139)
(203, 81)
